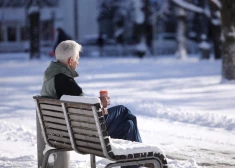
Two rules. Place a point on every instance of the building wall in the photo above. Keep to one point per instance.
(65, 16)
(51, 18)
(86, 15)
(87, 18)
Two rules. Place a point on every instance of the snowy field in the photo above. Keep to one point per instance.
(183, 106)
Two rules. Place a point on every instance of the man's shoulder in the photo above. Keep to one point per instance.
(62, 77)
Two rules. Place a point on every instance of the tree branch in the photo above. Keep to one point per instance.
(188, 6)
(217, 3)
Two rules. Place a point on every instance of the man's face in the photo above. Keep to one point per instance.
(74, 62)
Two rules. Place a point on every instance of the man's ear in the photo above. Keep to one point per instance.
(70, 61)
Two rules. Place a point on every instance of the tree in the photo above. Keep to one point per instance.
(228, 45)
(34, 23)
(215, 26)
(180, 7)
(181, 32)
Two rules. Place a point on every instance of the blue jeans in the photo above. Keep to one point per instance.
(122, 124)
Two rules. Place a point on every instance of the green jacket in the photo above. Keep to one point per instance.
(58, 80)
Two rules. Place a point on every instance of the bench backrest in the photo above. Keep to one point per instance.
(52, 121)
(79, 126)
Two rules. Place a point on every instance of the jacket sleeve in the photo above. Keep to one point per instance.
(65, 85)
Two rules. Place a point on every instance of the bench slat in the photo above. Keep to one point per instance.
(79, 105)
(49, 101)
(51, 107)
(88, 144)
(91, 151)
(54, 120)
(81, 118)
(81, 124)
(86, 138)
(57, 138)
(81, 112)
(57, 132)
(85, 132)
(56, 126)
(60, 144)
(52, 113)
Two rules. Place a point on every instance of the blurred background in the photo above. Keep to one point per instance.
(112, 27)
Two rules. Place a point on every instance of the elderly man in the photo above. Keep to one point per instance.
(59, 80)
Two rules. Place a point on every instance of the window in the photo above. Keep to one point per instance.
(47, 30)
(24, 33)
(52, 3)
(11, 34)
(1, 32)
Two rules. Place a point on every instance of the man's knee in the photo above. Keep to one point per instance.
(130, 125)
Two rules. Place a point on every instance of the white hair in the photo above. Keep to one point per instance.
(67, 49)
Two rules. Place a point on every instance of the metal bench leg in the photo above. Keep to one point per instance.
(48, 153)
(92, 160)
(46, 156)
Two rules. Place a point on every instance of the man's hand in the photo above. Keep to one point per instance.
(104, 111)
(105, 101)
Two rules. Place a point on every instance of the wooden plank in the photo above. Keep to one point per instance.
(49, 101)
(56, 126)
(81, 118)
(58, 138)
(150, 154)
(52, 113)
(137, 155)
(79, 105)
(57, 132)
(144, 154)
(108, 148)
(106, 140)
(111, 155)
(86, 138)
(51, 107)
(80, 111)
(130, 156)
(60, 144)
(54, 120)
(123, 157)
(105, 133)
(88, 144)
(90, 151)
(85, 132)
(84, 125)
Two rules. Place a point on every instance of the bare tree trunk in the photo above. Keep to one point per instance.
(215, 27)
(148, 26)
(228, 47)
(181, 33)
(34, 19)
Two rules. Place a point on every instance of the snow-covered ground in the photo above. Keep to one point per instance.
(181, 105)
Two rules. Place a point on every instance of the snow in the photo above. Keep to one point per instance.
(33, 9)
(204, 45)
(183, 107)
(216, 22)
(91, 100)
(141, 46)
(118, 32)
(139, 14)
(217, 3)
(123, 147)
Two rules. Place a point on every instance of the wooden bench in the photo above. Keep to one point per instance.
(80, 126)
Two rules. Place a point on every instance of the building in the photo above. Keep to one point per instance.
(77, 17)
